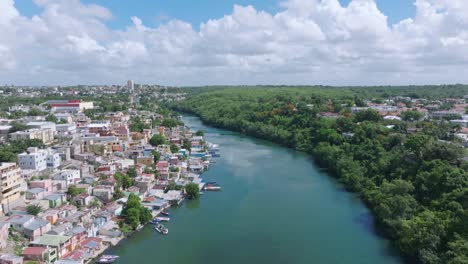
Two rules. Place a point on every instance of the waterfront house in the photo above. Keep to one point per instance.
(41, 254)
(92, 245)
(62, 244)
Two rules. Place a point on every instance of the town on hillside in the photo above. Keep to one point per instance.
(77, 177)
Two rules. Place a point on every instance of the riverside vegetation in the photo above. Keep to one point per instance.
(416, 184)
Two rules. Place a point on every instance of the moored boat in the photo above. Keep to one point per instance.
(212, 188)
(165, 213)
(107, 259)
(162, 229)
(162, 219)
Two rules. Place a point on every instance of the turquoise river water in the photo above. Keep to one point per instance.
(276, 206)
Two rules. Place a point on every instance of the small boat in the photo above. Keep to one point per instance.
(211, 183)
(212, 188)
(162, 229)
(154, 221)
(162, 219)
(107, 259)
(110, 256)
(164, 213)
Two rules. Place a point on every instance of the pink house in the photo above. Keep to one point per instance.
(47, 185)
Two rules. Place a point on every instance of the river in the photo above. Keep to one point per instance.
(276, 206)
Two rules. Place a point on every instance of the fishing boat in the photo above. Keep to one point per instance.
(162, 219)
(162, 229)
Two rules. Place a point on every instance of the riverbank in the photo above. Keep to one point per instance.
(277, 207)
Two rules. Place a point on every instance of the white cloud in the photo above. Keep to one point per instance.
(307, 42)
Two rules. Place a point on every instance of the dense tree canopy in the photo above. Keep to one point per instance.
(415, 183)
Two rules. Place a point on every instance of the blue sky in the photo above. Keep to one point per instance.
(154, 12)
(308, 42)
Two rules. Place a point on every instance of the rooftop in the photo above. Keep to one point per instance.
(51, 240)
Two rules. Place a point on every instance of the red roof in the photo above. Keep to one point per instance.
(34, 250)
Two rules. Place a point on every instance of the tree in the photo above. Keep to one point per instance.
(33, 209)
(156, 156)
(123, 180)
(134, 213)
(51, 118)
(170, 122)
(157, 140)
(368, 115)
(411, 115)
(117, 195)
(35, 112)
(187, 145)
(132, 172)
(73, 191)
(200, 133)
(174, 148)
(17, 126)
(192, 190)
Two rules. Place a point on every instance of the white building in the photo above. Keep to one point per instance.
(66, 129)
(70, 176)
(33, 159)
(42, 125)
(45, 135)
(53, 160)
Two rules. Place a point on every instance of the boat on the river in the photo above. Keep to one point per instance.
(212, 188)
(164, 213)
(107, 259)
(162, 229)
(162, 219)
(154, 221)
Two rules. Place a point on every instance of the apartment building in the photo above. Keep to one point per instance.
(11, 185)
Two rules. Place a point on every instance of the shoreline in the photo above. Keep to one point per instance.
(155, 213)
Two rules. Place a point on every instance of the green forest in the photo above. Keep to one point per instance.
(416, 184)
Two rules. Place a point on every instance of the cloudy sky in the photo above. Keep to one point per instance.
(178, 42)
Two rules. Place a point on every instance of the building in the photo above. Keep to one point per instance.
(53, 160)
(66, 129)
(45, 135)
(62, 244)
(11, 185)
(69, 106)
(10, 259)
(43, 254)
(70, 176)
(33, 159)
(42, 125)
(4, 231)
(130, 86)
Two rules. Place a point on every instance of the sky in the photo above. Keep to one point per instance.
(233, 42)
